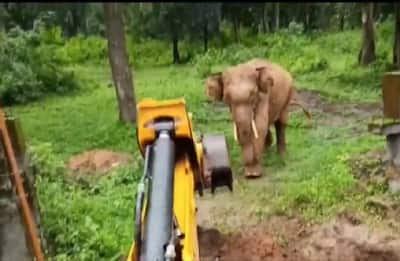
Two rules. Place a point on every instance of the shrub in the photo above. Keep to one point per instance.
(204, 63)
(29, 68)
(85, 230)
(295, 28)
(81, 49)
(148, 52)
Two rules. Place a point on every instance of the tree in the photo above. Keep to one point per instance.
(210, 20)
(239, 14)
(205, 19)
(277, 12)
(168, 20)
(3, 17)
(340, 8)
(232, 12)
(307, 16)
(119, 62)
(264, 18)
(94, 19)
(367, 52)
(396, 48)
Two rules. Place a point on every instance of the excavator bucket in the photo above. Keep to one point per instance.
(217, 167)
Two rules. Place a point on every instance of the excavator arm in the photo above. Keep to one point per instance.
(177, 164)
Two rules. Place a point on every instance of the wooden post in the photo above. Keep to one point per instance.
(17, 180)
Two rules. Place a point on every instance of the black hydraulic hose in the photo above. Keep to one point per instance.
(159, 218)
(139, 203)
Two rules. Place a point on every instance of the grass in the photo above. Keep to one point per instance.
(92, 219)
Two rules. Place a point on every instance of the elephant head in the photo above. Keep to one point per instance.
(245, 89)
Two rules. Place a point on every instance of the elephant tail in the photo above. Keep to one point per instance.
(306, 112)
(298, 103)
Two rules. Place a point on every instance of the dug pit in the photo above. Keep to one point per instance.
(98, 161)
(342, 239)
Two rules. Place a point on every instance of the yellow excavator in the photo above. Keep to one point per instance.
(177, 164)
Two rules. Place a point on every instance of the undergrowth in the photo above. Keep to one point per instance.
(30, 69)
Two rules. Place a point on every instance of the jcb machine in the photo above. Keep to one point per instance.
(177, 164)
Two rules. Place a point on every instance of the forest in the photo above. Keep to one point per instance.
(64, 74)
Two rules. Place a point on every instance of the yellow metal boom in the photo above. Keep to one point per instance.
(167, 126)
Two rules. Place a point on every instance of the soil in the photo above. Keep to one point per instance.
(338, 114)
(343, 239)
(98, 161)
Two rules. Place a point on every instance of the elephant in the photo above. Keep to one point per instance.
(258, 93)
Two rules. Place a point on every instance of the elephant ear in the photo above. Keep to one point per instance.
(214, 86)
(264, 79)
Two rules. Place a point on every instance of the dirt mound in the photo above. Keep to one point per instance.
(342, 240)
(251, 245)
(98, 161)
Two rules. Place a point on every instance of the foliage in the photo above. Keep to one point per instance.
(75, 215)
(295, 28)
(29, 68)
(148, 52)
(81, 49)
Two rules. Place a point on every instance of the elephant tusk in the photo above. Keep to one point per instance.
(254, 128)
(235, 132)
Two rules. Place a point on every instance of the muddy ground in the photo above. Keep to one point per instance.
(281, 238)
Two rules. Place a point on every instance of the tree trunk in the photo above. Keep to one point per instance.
(236, 29)
(341, 21)
(2, 18)
(396, 49)
(263, 20)
(119, 62)
(205, 35)
(307, 16)
(175, 49)
(277, 11)
(367, 52)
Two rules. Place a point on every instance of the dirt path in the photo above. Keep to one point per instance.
(338, 114)
(230, 232)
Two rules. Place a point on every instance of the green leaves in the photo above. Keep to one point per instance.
(81, 224)
(29, 66)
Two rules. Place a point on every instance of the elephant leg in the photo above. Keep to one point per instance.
(280, 127)
(280, 137)
(268, 139)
